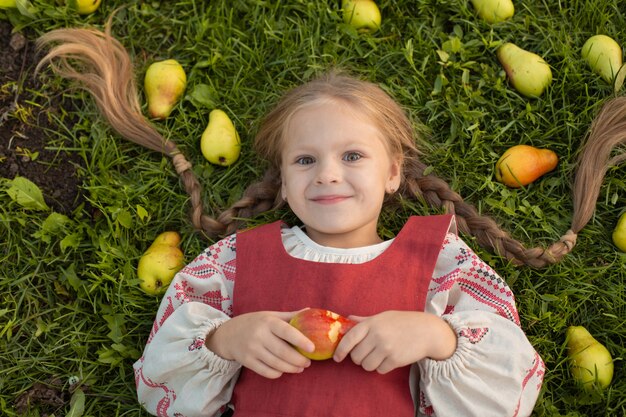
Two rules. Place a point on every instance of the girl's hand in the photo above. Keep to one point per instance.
(393, 339)
(262, 342)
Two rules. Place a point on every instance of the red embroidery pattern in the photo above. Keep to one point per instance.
(158, 323)
(538, 370)
(449, 309)
(474, 335)
(481, 283)
(425, 408)
(168, 396)
(197, 344)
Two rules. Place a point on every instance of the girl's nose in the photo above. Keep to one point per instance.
(327, 172)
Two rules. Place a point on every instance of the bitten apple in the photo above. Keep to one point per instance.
(324, 328)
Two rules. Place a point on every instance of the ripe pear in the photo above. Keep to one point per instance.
(527, 71)
(220, 142)
(494, 11)
(159, 263)
(363, 15)
(8, 4)
(83, 6)
(522, 164)
(164, 82)
(619, 233)
(591, 363)
(604, 56)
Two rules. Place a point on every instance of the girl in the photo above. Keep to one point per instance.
(437, 330)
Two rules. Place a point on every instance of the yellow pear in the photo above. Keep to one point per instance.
(527, 71)
(619, 233)
(7, 4)
(522, 164)
(494, 11)
(159, 263)
(220, 142)
(165, 83)
(604, 56)
(591, 363)
(363, 15)
(83, 6)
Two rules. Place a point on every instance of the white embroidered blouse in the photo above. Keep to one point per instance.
(494, 372)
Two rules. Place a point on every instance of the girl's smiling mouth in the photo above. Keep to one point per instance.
(329, 199)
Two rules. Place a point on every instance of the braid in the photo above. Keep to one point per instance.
(606, 133)
(101, 65)
(437, 193)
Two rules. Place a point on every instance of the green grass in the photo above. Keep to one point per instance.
(70, 304)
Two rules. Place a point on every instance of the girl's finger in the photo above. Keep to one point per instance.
(288, 354)
(358, 319)
(279, 364)
(360, 352)
(386, 366)
(263, 369)
(349, 341)
(371, 361)
(294, 337)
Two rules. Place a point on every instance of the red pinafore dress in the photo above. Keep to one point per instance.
(268, 278)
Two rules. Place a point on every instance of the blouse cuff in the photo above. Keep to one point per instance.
(447, 367)
(215, 363)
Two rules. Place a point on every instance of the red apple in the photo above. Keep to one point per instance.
(324, 328)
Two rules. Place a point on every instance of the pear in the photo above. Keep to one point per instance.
(494, 11)
(164, 82)
(220, 142)
(159, 263)
(619, 233)
(82, 6)
(604, 56)
(8, 4)
(528, 72)
(522, 164)
(363, 15)
(591, 363)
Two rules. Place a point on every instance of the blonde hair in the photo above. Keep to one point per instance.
(103, 67)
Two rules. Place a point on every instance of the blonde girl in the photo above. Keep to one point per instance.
(437, 329)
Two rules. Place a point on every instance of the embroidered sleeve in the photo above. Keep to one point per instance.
(177, 374)
(495, 371)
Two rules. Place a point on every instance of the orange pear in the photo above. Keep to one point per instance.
(522, 164)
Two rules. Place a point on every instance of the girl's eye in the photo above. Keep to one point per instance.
(352, 156)
(304, 160)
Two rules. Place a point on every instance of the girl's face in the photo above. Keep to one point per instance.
(336, 170)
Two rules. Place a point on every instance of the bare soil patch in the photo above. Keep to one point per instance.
(26, 125)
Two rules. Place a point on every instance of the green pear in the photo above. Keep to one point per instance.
(159, 263)
(528, 72)
(619, 233)
(591, 363)
(82, 6)
(494, 11)
(8, 4)
(603, 55)
(363, 15)
(220, 142)
(164, 82)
